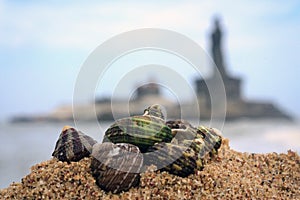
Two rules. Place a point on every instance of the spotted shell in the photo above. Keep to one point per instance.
(178, 124)
(116, 167)
(72, 145)
(143, 131)
(175, 159)
(212, 138)
(202, 140)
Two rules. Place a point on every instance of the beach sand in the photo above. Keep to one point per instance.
(230, 175)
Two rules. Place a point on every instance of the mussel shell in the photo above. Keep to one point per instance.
(142, 131)
(73, 145)
(116, 167)
(175, 159)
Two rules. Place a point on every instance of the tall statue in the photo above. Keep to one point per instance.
(216, 38)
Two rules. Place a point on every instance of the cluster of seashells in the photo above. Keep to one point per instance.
(133, 143)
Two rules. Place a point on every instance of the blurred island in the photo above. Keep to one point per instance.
(236, 106)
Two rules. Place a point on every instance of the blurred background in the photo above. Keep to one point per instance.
(43, 46)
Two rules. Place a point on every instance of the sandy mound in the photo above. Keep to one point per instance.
(230, 175)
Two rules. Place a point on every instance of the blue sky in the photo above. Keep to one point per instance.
(43, 45)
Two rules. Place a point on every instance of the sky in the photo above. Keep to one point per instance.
(44, 44)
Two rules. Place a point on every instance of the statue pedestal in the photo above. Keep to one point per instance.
(232, 88)
(236, 106)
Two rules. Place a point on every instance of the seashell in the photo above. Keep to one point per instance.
(207, 139)
(73, 145)
(178, 124)
(212, 138)
(155, 110)
(143, 131)
(203, 140)
(182, 130)
(175, 159)
(116, 167)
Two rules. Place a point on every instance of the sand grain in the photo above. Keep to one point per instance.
(231, 175)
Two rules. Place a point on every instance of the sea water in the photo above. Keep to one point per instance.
(25, 144)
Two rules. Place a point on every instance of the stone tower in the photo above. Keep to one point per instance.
(232, 84)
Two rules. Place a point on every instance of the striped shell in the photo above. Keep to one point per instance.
(72, 145)
(116, 167)
(175, 159)
(143, 131)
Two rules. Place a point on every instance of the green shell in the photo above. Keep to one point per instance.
(143, 131)
(175, 159)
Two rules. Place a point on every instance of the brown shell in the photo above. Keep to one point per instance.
(116, 167)
(73, 145)
(175, 159)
